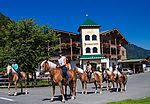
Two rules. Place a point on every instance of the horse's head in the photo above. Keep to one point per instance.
(44, 67)
(9, 70)
(78, 70)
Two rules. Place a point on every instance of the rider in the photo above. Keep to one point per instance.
(16, 68)
(120, 68)
(68, 65)
(89, 70)
(62, 64)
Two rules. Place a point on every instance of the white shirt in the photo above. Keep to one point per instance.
(61, 60)
(111, 69)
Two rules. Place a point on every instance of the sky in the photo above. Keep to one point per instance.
(130, 17)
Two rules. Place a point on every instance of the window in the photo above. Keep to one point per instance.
(87, 37)
(88, 50)
(94, 50)
(94, 37)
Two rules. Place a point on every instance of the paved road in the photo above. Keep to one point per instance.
(138, 86)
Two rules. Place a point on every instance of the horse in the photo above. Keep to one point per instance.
(121, 80)
(115, 77)
(57, 78)
(13, 77)
(97, 79)
(109, 77)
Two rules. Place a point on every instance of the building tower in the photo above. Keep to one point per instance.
(90, 41)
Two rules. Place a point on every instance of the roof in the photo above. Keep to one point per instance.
(89, 23)
(132, 60)
(115, 30)
(66, 32)
(92, 57)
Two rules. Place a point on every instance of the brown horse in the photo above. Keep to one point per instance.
(109, 77)
(13, 77)
(97, 79)
(115, 77)
(56, 77)
(122, 80)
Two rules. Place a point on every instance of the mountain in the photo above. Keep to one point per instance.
(135, 52)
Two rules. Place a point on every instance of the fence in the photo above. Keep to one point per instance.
(44, 81)
(3, 81)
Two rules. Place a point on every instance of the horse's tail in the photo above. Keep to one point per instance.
(98, 76)
(125, 78)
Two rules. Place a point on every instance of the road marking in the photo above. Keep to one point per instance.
(6, 99)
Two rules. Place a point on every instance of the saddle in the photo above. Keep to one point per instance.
(89, 75)
(67, 79)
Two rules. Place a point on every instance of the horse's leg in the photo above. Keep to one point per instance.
(52, 98)
(82, 87)
(15, 83)
(74, 90)
(117, 86)
(85, 83)
(62, 91)
(25, 83)
(120, 86)
(95, 87)
(66, 90)
(100, 86)
(9, 89)
(125, 86)
(71, 86)
(107, 85)
(113, 85)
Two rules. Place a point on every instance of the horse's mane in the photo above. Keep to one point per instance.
(50, 64)
(80, 70)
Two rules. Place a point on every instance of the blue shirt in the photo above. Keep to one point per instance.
(15, 66)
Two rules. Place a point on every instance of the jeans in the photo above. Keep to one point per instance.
(64, 72)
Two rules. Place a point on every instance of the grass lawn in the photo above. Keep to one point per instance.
(131, 101)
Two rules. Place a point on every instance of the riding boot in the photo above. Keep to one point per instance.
(19, 75)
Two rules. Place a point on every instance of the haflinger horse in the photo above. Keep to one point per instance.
(115, 77)
(56, 78)
(13, 77)
(96, 79)
(122, 80)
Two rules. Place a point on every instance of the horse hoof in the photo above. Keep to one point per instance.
(51, 100)
(15, 94)
(73, 97)
(95, 91)
(63, 101)
(9, 94)
(26, 92)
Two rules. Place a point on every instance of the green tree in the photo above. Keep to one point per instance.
(28, 43)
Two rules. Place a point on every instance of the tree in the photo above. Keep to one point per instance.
(28, 43)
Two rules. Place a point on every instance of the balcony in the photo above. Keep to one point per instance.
(68, 45)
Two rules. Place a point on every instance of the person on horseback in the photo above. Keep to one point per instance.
(68, 65)
(120, 68)
(89, 70)
(62, 64)
(16, 68)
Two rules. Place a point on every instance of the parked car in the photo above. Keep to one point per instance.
(127, 71)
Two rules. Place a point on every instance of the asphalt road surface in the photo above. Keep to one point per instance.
(138, 86)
